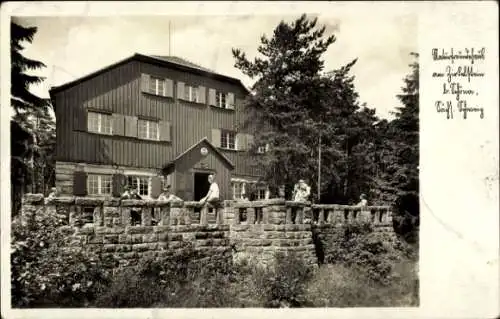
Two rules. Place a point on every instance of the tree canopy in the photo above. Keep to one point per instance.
(32, 126)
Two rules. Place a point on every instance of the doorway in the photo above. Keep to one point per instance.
(201, 185)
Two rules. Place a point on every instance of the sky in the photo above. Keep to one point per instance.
(72, 47)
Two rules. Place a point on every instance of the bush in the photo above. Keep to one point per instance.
(281, 284)
(341, 286)
(375, 253)
(47, 273)
(184, 279)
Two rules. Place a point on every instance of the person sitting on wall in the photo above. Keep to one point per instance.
(212, 196)
(301, 191)
(363, 202)
(167, 195)
(130, 193)
(53, 193)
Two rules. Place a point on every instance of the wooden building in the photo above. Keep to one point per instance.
(152, 120)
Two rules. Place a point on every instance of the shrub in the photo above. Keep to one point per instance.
(283, 284)
(47, 273)
(186, 278)
(341, 286)
(375, 253)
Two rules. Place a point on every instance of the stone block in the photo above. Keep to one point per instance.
(144, 247)
(149, 238)
(33, 199)
(124, 239)
(161, 229)
(136, 238)
(133, 203)
(96, 239)
(88, 201)
(109, 230)
(86, 230)
(110, 239)
(139, 229)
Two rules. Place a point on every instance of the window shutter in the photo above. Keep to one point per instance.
(180, 90)
(241, 141)
(216, 137)
(79, 184)
(169, 88)
(202, 95)
(130, 126)
(165, 131)
(119, 181)
(211, 97)
(118, 124)
(230, 101)
(144, 82)
(155, 186)
(80, 119)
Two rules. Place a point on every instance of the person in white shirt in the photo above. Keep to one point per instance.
(167, 195)
(363, 202)
(213, 192)
(301, 191)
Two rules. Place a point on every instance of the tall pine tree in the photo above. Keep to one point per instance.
(32, 152)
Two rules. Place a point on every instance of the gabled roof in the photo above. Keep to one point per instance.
(203, 140)
(165, 61)
(181, 61)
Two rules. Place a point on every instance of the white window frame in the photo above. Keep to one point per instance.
(100, 128)
(226, 134)
(221, 96)
(138, 180)
(100, 184)
(190, 91)
(148, 127)
(159, 83)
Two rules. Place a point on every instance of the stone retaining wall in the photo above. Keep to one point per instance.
(133, 229)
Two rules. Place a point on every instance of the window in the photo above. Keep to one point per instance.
(228, 140)
(261, 192)
(140, 183)
(148, 130)
(157, 86)
(238, 190)
(99, 184)
(220, 100)
(99, 123)
(191, 93)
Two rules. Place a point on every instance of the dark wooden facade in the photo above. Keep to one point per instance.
(119, 90)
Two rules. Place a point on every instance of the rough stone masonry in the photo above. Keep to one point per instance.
(134, 229)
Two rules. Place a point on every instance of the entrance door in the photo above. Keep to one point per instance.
(201, 185)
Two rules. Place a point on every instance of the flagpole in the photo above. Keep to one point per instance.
(319, 168)
(169, 38)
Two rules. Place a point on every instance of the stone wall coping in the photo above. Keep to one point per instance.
(297, 204)
(354, 208)
(97, 201)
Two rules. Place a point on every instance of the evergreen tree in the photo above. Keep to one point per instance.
(290, 109)
(34, 150)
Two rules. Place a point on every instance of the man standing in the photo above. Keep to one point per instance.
(213, 192)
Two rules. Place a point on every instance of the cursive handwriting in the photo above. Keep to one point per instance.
(448, 108)
(466, 71)
(459, 82)
(467, 54)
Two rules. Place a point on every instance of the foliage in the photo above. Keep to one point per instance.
(183, 279)
(374, 253)
(342, 286)
(32, 158)
(45, 271)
